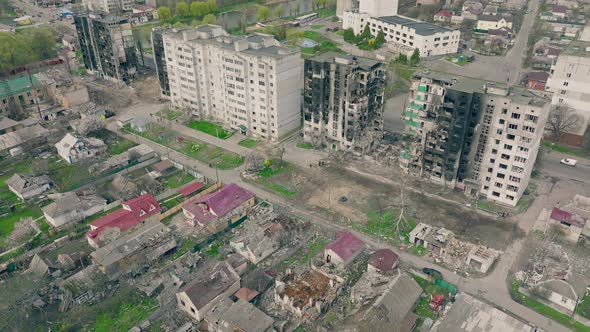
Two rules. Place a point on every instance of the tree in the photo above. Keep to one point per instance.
(209, 19)
(294, 34)
(562, 119)
(199, 9)
(212, 5)
(182, 9)
(254, 162)
(403, 59)
(319, 4)
(277, 11)
(349, 35)
(179, 25)
(164, 13)
(380, 40)
(415, 58)
(195, 23)
(263, 13)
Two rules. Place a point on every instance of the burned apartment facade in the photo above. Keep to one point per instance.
(160, 61)
(107, 45)
(475, 135)
(343, 101)
(248, 83)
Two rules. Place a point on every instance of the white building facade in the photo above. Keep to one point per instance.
(429, 39)
(570, 82)
(247, 83)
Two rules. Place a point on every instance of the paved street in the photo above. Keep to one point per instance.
(496, 68)
(551, 165)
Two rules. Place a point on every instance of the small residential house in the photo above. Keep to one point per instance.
(443, 16)
(229, 316)
(25, 186)
(142, 14)
(491, 22)
(383, 261)
(231, 202)
(434, 240)
(343, 249)
(27, 138)
(394, 310)
(490, 10)
(133, 212)
(256, 242)
(73, 207)
(537, 80)
(566, 293)
(198, 297)
(572, 224)
(474, 7)
(73, 149)
(559, 11)
(134, 155)
(246, 294)
(163, 167)
(481, 258)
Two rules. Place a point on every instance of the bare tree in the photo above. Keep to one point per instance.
(562, 119)
(254, 161)
(401, 222)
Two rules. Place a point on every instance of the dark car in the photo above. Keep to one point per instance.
(432, 272)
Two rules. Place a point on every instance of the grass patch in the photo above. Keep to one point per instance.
(209, 128)
(12, 255)
(486, 205)
(177, 179)
(324, 44)
(248, 143)
(68, 176)
(209, 154)
(404, 71)
(120, 146)
(544, 310)
(317, 26)
(583, 308)
(213, 250)
(280, 189)
(305, 145)
(125, 316)
(272, 169)
(461, 61)
(382, 225)
(326, 12)
(565, 149)
(170, 114)
(423, 307)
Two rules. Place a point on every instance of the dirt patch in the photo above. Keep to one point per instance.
(147, 88)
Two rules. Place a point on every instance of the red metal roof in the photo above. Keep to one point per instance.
(190, 188)
(384, 259)
(130, 215)
(444, 13)
(246, 294)
(345, 245)
(559, 9)
(218, 204)
(567, 217)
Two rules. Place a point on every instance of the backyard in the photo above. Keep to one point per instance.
(176, 179)
(198, 150)
(209, 128)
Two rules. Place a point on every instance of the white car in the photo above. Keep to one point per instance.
(569, 162)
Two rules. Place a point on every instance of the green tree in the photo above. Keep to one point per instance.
(182, 9)
(319, 4)
(349, 35)
(179, 25)
(380, 40)
(263, 13)
(195, 23)
(212, 5)
(164, 13)
(209, 19)
(415, 58)
(403, 59)
(293, 35)
(199, 9)
(277, 11)
(366, 34)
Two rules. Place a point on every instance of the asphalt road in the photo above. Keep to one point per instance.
(551, 165)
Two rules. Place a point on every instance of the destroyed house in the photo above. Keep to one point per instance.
(231, 202)
(229, 316)
(25, 186)
(256, 242)
(383, 261)
(134, 252)
(572, 224)
(433, 239)
(132, 213)
(343, 249)
(73, 207)
(308, 295)
(199, 296)
(73, 149)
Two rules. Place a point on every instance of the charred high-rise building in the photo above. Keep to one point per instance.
(107, 45)
(343, 101)
(160, 61)
(472, 134)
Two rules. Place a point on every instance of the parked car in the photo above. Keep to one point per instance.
(569, 162)
(436, 302)
(432, 272)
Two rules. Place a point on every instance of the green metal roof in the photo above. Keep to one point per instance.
(16, 86)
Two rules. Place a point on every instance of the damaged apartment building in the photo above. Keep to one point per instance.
(251, 84)
(343, 101)
(475, 135)
(107, 45)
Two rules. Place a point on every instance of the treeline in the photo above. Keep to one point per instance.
(26, 46)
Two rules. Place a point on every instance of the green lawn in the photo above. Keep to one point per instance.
(280, 189)
(68, 176)
(317, 26)
(177, 179)
(422, 308)
(209, 154)
(326, 12)
(460, 62)
(120, 146)
(404, 71)
(583, 308)
(210, 128)
(305, 145)
(546, 311)
(274, 169)
(170, 114)
(213, 250)
(324, 44)
(125, 316)
(383, 225)
(565, 149)
(248, 143)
